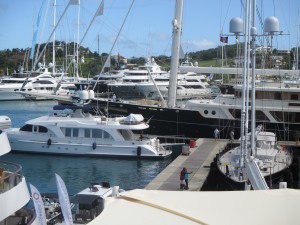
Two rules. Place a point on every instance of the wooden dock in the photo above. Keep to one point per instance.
(198, 161)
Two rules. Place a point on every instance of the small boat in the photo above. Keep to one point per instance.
(73, 132)
(5, 122)
(86, 204)
(52, 207)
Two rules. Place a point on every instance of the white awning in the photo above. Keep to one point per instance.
(186, 208)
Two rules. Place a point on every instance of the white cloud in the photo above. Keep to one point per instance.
(198, 45)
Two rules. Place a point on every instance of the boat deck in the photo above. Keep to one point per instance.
(198, 161)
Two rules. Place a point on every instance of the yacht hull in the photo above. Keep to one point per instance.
(218, 181)
(189, 123)
(59, 147)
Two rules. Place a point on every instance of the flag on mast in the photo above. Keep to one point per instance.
(64, 200)
(100, 9)
(38, 205)
(224, 39)
(107, 62)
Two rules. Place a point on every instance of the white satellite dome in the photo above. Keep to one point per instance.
(84, 95)
(271, 24)
(236, 25)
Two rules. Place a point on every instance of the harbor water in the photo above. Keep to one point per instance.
(77, 171)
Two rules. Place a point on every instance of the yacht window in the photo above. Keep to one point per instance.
(96, 133)
(213, 112)
(294, 97)
(107, 135)
(35, 128)
(87, 133)
(127, 134)
(43, 129)
(260, 115)
(27, 127)
(291, 117)
(68, 132)
(75, 132)
(277, 96)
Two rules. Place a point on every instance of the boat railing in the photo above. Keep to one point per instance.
(10, 175)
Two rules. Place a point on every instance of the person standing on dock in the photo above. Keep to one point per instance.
(181, 177)
(186, 178)
(216, 134)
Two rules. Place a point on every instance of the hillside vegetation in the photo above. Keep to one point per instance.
(91, 63)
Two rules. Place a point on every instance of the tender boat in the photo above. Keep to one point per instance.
(73, 132)
(85, 205)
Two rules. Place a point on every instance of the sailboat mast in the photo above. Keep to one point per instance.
(53, 45)
(253, 46)
(244, 121)
(115, 41)
(177, 29)
(77, 48)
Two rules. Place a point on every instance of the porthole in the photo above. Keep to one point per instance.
(205, 112)
(213, 112)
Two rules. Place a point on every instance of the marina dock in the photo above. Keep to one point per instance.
(198, 161)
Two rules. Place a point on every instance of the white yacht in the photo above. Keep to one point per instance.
(77, 133)
(40, 81)
(189, 85)
(14, 194)
(126, 87)
(102, 80)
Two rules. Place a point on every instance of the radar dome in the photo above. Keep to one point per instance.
(50, 64)
(236, 25)
(271, 24)
(84, 95)
(91, 94)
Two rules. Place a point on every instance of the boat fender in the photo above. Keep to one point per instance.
(49, 142)
(94, 145)
(139, 151)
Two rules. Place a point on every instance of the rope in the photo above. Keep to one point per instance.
(134, 200)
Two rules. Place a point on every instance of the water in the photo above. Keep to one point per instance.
(76, 171)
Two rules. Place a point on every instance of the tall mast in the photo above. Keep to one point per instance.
(53, 45)
(244, 93)
(177, 29)
(77, 48)
(253, 46)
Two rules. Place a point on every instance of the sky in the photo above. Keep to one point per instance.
(147, 31)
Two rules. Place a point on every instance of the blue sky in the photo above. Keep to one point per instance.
(147, 30)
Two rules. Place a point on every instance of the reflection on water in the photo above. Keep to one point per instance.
(79, 172)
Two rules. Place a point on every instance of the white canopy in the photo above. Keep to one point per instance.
(186, 208)
(134, 118)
